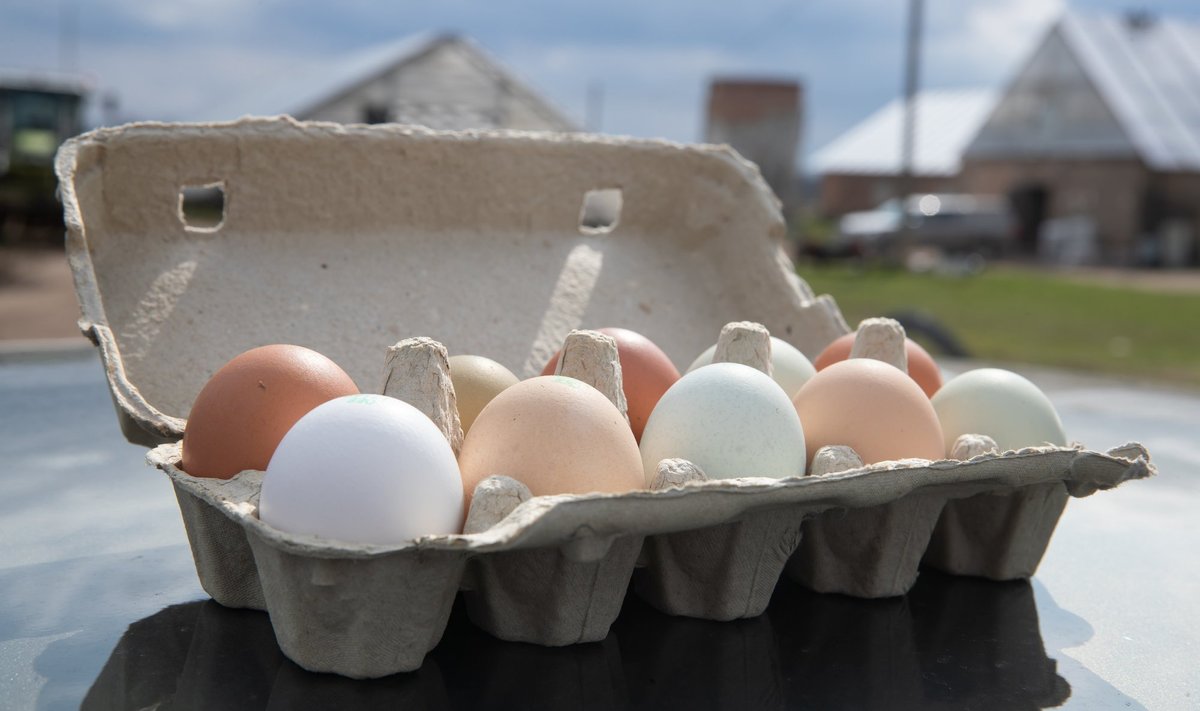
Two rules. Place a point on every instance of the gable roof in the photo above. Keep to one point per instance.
(946, 122)
(301, 94)
(1103, 86)
(1148, 71)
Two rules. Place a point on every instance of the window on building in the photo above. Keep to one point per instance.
(376, 113)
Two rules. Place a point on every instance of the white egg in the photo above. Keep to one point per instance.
(1000, 404)
(789, 367)
(363, 469)
(730, 420)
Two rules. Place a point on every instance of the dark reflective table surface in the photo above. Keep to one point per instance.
(102, 609)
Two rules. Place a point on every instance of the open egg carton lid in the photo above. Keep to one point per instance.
(346, 239)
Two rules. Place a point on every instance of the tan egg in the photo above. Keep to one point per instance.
(872, 407)
(247, 406)
(476, 381)
(557, 435)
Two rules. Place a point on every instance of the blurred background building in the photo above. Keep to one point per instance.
(1095, 143)
(761, 119)
(861, 168)
(38, 111)
(1101, 127)
(441, 81)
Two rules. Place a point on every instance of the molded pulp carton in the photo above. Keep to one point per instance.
(347, 239)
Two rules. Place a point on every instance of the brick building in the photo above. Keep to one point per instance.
(761, 120)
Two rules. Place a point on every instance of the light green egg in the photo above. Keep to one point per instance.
(1000, 404)
(789, 367)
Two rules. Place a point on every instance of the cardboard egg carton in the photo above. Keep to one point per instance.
(343, 238)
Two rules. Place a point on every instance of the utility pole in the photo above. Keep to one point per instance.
(68, 36)
(593, 121)
(912, 70)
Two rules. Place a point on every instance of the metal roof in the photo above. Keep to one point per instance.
(1148, 71)
(947, 120)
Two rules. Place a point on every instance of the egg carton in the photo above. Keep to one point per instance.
(501, 243)
(554, 570)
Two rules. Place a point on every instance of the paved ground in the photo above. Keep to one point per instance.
(37, 296)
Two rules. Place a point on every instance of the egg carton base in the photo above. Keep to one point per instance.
(221, 551)
(544, 597)
(724, 572)
(871, 552)
(575, 553)
(360, 617)
(1012, 528)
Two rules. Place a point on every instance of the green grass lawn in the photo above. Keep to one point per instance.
(1025, 315)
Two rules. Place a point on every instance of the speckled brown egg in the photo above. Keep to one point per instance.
(248, 405)
(646, 373)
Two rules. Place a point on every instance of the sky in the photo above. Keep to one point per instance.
(169, 59)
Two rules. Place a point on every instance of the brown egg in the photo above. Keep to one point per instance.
(920, 364)
(248, 405)
(556, 435)
(870, 406)
(646, 373)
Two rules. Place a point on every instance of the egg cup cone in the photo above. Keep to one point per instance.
(1001, 536)
(224, 561)
(547, 597)
(724, 572)
(358, 616)
(211, 510)
(869, 552)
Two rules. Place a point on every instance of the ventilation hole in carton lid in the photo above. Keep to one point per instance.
(601, 211)
(202, 207)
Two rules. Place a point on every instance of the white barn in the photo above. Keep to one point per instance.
(440, 81)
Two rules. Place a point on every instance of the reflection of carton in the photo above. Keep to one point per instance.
(346, 238)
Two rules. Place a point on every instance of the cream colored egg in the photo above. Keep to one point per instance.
(476, 381)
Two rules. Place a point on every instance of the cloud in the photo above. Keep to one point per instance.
(981, 42)
(649, 91)
(171, 59)
(177, 15)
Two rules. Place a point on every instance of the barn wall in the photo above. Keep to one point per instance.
(842, 193)
(1111, 192)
